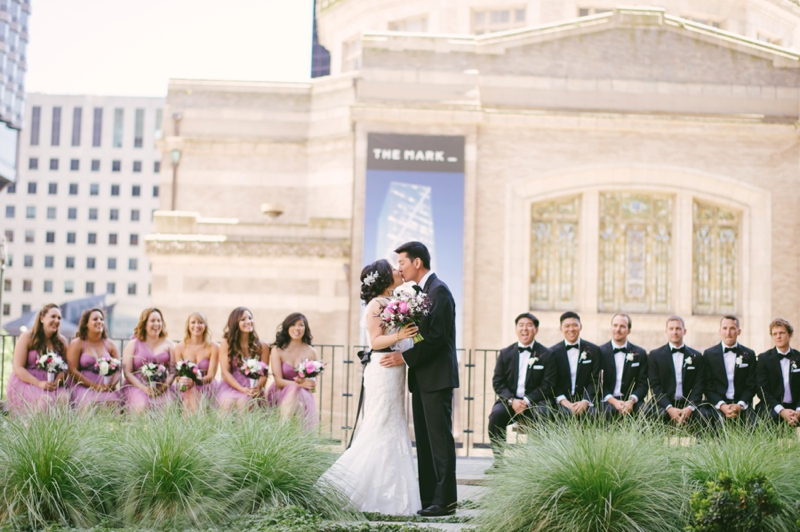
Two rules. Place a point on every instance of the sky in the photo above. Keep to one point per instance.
(133, 47)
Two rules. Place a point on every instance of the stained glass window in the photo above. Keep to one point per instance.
(715, 254)
(635, 241)
(554, 254)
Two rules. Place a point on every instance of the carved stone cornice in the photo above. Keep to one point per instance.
(236, 248)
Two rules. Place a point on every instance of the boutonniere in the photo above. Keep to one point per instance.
(687, 361)
(739, 360)
(583, 355)
(532, 361)
(794, 364)
(629, 357)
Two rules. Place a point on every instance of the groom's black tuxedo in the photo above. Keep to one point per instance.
(432, 375)
(634, 374)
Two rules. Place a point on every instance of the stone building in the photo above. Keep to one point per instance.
(615, 159)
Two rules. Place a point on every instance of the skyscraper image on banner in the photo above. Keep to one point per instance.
(407, 214)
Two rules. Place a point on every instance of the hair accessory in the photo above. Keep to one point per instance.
(371, 278)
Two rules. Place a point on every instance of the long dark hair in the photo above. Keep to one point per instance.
(83, 324)
(234, 336)
(375, 279)
(38, 338)
(282, 337)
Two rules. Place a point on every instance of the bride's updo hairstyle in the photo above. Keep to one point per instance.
(375, 279)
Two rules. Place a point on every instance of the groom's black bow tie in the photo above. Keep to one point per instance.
(681, 349)
(619, 350)
(529, 349)
(727, 349)
(785, 355)
(573, 346)
(417, 288)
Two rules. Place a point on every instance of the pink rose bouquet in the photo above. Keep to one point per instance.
(52, 364)
(106, 366)
(404, 309)
(309, 369)
(253, 369)
(185, 368)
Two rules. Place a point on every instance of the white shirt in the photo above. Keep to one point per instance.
(573, 354)
(524, 358)
(677, 361)
(619, 363)
(424, 279)
(729, 360)
(785, 372)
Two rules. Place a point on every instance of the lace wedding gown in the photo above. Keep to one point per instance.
(377, 472)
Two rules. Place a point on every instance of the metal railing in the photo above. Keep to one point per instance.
(339, 386)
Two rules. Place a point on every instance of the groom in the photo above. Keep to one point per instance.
(432, 375)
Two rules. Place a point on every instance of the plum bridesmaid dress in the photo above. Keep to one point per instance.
(21, 395)
(132, 395)
(84, 396)
(225, 392)
(293, 397)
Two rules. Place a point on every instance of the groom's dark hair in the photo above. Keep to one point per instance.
(416, 250)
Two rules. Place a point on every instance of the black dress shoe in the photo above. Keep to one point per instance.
(436, 510)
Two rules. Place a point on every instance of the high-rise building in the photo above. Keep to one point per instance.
(320, 56)
(76, 218)
(13, 65)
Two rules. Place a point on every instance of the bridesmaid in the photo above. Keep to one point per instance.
(240, 342)
(197, 347)
(90, 344)
(28, 387)
(292, 394)
(149, 344)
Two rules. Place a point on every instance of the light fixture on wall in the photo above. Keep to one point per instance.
(272, 210)
(175, 156)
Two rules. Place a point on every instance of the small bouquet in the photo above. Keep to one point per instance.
(106, 366)
(404, 309)
(309, 369)
(153, 373)
(253, 369)
(185, 368)
(52, 364)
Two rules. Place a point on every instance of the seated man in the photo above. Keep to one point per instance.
(578, 366)
(730, 377)
(778, 374)
(675, 372)
(624, 368)
(524, 377)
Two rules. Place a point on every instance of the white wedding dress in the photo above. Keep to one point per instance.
(377, 472)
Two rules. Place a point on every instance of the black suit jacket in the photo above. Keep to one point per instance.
(634, 372)
(539, 381)
(432, 363)
(770, 378)
(716, 378)
(661, 373)
(587, 378)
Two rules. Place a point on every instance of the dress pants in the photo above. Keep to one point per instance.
(503, 415)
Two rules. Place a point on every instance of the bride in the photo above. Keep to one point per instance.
(377, 472)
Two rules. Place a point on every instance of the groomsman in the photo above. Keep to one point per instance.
(730, 375)
(578, 367)
(675, 371)
(624, 368)
(778, 374)
(524, 377)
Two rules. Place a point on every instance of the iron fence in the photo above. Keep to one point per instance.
(338, 391)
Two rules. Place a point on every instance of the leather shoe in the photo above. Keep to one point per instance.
(424, 505)
(436, 510)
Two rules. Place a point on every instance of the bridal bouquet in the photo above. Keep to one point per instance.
(52, 364)
(253, 369)
(404, 309)
(153, 373)
(185, 368)
(309, 369)
(106, 366)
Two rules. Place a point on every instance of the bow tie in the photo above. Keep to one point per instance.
(573, 346)
(678, 349)
(729, 349)
(619, 350)
(785, 355)
(529, 349)
(417, 288)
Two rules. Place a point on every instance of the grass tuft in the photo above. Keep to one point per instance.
(586, 477)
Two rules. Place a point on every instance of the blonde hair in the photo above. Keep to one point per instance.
(187, 334)
(141, 328)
